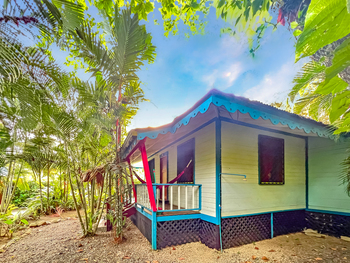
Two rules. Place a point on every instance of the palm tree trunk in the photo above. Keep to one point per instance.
(48, 189)
(14, 188)
(40, 190)
(72, 190)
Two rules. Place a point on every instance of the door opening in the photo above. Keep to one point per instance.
(164, 175)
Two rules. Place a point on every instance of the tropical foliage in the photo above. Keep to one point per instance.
(55, 126)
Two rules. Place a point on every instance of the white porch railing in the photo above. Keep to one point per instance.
(142, 195)
(175, 197)
(178, 197)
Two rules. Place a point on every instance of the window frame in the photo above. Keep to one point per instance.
(259, 160)
(192, 140)
(153, 174)
(161, 156)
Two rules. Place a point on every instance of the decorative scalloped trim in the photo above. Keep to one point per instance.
(233, 107)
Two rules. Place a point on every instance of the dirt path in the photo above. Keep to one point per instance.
(59, 242)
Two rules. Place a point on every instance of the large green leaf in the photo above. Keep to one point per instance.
(340, 105)
(326, 22)
(333, 86)
(340, 61)
(311, 73)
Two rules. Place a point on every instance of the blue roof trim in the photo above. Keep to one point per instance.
(232, 107)
(154, 134)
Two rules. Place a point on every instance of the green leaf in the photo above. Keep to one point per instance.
(8, 222)
(348, 5)
(333, 86)
(195, 5)
(256, 6)
(326, 21)
(341, 60)
(221, 3)
(340, 105)
(293, 25)
(24, 221)
(297, 32)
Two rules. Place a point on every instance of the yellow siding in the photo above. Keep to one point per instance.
(326, 191)
(204, 166)
(240, 156)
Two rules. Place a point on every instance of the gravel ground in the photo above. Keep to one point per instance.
(61, 242)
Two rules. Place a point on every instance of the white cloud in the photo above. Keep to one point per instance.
(233, 73)
(224, 77)
(227, 61)
(275, 85)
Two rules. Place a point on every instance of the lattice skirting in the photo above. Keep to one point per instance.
(143, 224)
(238, 231)
(210, 234)
(330, 224)
(288, 222)
(172, 233)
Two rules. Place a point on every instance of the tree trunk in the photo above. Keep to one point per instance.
(40, 190)
(48, 190)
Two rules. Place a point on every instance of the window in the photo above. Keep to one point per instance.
(271, 160)
(185, 153)
(152, 167)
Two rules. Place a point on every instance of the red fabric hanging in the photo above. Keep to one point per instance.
(170, 182)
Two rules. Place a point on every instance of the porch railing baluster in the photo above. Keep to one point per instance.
(178, 197)
(186, 200)
(171, 197)
(158, 194)
(193, 197)
(163, 199)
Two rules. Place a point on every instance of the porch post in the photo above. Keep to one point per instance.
(154, 230)
(132, 181)
(148, 177)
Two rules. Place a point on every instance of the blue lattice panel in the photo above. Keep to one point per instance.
(238, 231)
(330, 224)
(288, 222)
(177, 232)
(143, 224)
(210, 235)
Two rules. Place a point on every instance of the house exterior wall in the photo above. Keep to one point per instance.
(326, 191)
(240, 156)
(204, 167)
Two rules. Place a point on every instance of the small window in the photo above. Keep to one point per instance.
(152, 167)
(185, 153)
(271, 160)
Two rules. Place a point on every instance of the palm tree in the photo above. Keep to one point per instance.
(115, 69)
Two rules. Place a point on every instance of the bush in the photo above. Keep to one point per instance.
(21, 196)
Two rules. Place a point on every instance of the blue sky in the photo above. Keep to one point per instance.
(186, 69)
